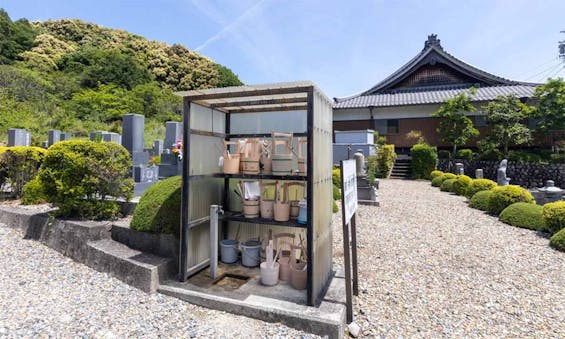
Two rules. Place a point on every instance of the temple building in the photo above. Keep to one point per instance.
(405, 100)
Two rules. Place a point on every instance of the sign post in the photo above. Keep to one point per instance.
(348, 209)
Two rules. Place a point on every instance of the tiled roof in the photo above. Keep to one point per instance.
(432, 97)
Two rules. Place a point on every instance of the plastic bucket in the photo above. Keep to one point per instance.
(251, 208)
(298, 276)
(267, 207)
(294, 208)
(282, 211)
(228, 251)
(269, 275)
(251, 253)
(302, 215)
(284, 271)
(282, 164)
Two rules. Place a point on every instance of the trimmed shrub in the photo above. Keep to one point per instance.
(20, 164)
(554, 216)
(504, 196)
(158, 210)
(336, 177)
(424, 160)
(557, 241)
(522, 214)
(465, 154)
(371, 168)
(436, 173)
(336, 193)
(80, 177)
(443, 154)
(335, 208)
(437, 181)
(33, 193)
(480, 200)
(478, 185)
(385, 160)
(460, 186)
(447, 185)
(557, 158)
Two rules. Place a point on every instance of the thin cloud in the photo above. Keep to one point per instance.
(229, 28)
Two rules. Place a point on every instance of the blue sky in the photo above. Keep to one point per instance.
(343, 46)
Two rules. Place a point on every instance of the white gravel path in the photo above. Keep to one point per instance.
(430, 266)
(44, 294)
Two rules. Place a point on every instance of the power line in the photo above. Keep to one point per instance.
(557, 72)
(537, 67)
(547, 70)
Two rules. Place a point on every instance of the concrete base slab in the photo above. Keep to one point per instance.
(369, 202)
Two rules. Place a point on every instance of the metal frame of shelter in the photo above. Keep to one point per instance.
(207, 119)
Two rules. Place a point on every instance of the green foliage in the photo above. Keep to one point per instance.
(379, 140)
(551, 105)
(34, 193)
(335, 208)
(488, 150)
(443, 154)
(557, 241)
(480, 200)
(524, 156)
(447, 185)
(465, 154)
(371, 168)
(336, 177)
(20, 164)
(455, 127)
(436, 173)
(83, 177)
(478, 185)
(158, 210)
(557, 158)
(522, 214)
(554, 216)
(384, 161)
(437, 181)
(506, 117)
(336, 192)
(15, 37)
(424, 160)
(504, 196)
(460, 186)
(226, 77)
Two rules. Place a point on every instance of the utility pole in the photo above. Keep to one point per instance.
(562, 49)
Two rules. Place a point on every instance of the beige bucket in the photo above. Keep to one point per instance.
(298, 275)
(282, 205)
(266, 157)
(267, 208)
(302, 142)
(284, 270)
(231, 161)
(250, 157)
(282, 162)
(251, 208)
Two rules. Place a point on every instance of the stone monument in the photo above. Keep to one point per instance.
(19, 137)
(479, 173)
(170, 164)
(501, 178)
(366, 193)
(459, 168)
(53, 136)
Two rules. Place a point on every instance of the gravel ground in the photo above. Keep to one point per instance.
(44, 294)
(430, 266)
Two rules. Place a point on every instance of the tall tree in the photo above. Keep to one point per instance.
(507, 117)
(455, 127)
(551, 106)
(15, 37)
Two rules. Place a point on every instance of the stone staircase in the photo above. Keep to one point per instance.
(402, 168)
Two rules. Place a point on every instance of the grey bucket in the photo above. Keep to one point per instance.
(228, 251)
(251, 253)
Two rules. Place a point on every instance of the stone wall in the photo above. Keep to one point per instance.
(527, 175)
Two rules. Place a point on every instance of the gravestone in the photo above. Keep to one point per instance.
(45, 144)
(459, 169)
(479, 173)
(173, 132)
(501, 178)
(133, 138)
(366, 193)
(66, 136)
(19, 137)
(133, 132)
(53, 136)
(157, 148)
(112, 137)
(97, 135)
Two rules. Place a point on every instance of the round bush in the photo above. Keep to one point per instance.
(424, 160)
(480, 200)
(436, 173)
(504, 196)
(158, 210)
(33, 193)
(20, 164)
(83, 178)
(437, 181)
(464, 153)
(336, 193)
(522, 214)
(478, 185)
(554, 216)
(335, 208)
(557, 240)
(336, 177)
(447, 185)
(460, 186)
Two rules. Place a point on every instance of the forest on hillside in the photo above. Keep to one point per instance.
(79, 77)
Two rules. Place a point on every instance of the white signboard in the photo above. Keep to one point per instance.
(348, 189)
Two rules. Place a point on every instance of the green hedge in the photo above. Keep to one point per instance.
(460, 186)
(436, 173)
(34, 193)
(424, 160)
(525, 215)
(158, 210)
(336, 193)
(384, 161)
(478, 185)
(557, 241)
(504, 196)
(480, 200)
(554, 216)
(447, 185)
(437, 181)
(465, 154)
(336, 177)
(443, 154)
(20, 164)
(335, 208)
(83, 178)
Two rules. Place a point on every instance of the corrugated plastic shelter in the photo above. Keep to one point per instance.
(212, 116)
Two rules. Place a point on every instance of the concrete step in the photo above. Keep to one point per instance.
(136, 268)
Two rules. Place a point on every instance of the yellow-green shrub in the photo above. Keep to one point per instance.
(522, 214)
(385, 160)
(20, 164)
(158, 210)
(336, 177)
(554, 216)
(460, 186)
(480, 200)
(424, 160)
(478, 185)
(33, 193)
(435, 173)
(504, 196)
(447, 185)
(557, 240)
